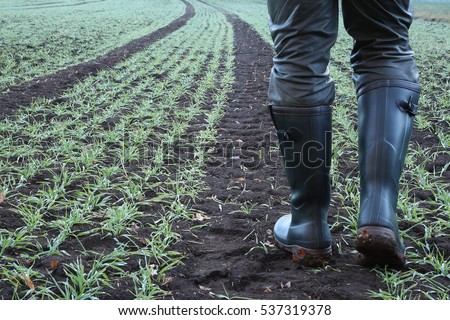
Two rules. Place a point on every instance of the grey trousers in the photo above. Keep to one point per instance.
(304, 31)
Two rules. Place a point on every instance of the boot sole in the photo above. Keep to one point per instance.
(307, 257)
(378, 246)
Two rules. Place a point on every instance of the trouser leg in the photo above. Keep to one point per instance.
(303, 32)
(380, 29)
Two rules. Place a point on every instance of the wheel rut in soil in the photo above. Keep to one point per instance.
(54, 85)
(234, 255)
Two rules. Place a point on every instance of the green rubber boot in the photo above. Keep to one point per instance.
(386, 112)
(305, 142)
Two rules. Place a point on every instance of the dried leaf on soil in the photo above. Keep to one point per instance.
(240, 180)
(204, 288)
(201, 217)
(28, 281)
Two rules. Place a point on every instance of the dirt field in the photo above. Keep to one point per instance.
(233, 256)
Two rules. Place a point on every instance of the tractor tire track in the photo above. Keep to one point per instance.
(51, 86)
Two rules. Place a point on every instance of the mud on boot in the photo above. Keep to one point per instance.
(379, 246)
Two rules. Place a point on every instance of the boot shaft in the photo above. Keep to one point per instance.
(386, 112)
(305, 143)
(305, 137)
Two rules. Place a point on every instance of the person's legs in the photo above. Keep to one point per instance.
(300, 93)
(385, 77)
(303, 32)
(380, 29)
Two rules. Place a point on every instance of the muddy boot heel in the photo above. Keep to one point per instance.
(378, 246)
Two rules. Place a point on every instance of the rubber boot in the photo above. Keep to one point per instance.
(305, 142)
(386, 112)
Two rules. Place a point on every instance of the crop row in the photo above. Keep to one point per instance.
(40, 38)
(102, 162)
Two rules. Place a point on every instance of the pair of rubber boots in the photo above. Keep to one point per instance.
(386, 111)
